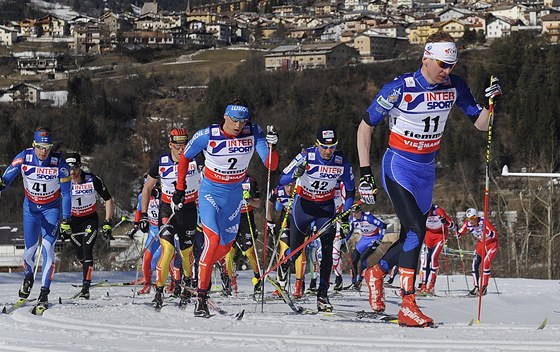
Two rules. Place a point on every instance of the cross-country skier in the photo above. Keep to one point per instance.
(180, 221)
(474, 224)
(246, 235)
(228, 148)
(46, 177)
(437, 232)
(417, 106)
(372, 230)
(86, 186)
(318, 169)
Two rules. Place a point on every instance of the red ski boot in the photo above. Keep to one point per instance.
(410, 315)
(374, 279)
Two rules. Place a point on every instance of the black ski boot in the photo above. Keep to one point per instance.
(201, 306)
(323, 303)
(312, 286)
(474, 291)
(42, 302)
(84, 294)
(177, 289)
(226, 284)
(158, 299)
(257, 288)
(26, 287)
(186, 294)
(338, 283)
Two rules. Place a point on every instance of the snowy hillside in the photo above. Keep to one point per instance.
(113, 321)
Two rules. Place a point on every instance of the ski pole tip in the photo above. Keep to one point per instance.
(255, 281)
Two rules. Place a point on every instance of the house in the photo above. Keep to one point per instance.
(455, 28)
(37, 65)
(498, 27)
(52, 26)
(551, 27)
(148, 38)
(222, 32)
(373, 45)
(309, 56)
(419, 32)
(509, 10)
(87, 38)
(453, 13)
(24, 93)
(8, 36)
(149, 7)
(114, 23)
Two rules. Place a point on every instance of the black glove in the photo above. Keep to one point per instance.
(375, 243)
(65, 229)
(443, 220)
(368, 188)
(144, 223)
(2, 183)
(178, 199)
(270, 226)
(107, 230)
(133, 230)
(271, 135)
(299, 171)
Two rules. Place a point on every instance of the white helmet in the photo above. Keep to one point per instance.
(471, 212)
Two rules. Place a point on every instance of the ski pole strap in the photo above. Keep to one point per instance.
(319, 232)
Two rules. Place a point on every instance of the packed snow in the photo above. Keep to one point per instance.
(114, 320)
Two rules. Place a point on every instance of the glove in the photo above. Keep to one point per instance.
(65, 229)
(246, 195)
(271, 135)
(178, 199)
(368, 189)
(494, 90)
(144, 223)
(107, 230)
(270, 226)
(443, 220)
(299, 170)
(2, 183)
(375, 243)
(133, 231)
(344, 229)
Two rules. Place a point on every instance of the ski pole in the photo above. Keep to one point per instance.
(486, 194)
(311, 239)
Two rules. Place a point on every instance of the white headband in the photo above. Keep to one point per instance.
(443, 51)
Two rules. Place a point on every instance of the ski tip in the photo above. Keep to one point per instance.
(543, 324)
(240, 315)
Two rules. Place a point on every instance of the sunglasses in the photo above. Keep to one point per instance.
(45, 147)
(178, 146)
(234, 119)
(327, 146)
(444, 65)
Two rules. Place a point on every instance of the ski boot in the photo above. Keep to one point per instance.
(430, 290)
(323, 303)
(26, 287)
(171, 288)
(177, 289)
(374, 281)
(201, 306)
(357, 286)
(281, 278)
(474, 291)
(226, 285)
(257, 288)
(390, 281)
(84, 294)
(186, 294)
(42, 302)
(338, 283)
(158, 299)
(410, 315)
(298, 292)
(312, 286)
(145, 289)
(484, 290)
(421, 291)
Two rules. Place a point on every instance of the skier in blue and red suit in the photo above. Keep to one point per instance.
(228, 148)
(318, 171)
(46, 177)
(417, 105)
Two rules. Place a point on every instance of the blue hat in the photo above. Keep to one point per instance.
(237, 112)
(42, 137)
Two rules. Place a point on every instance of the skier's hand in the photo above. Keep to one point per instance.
(299, 171)
(246, 195)
(144, 223)
(178, 199)
(494, 90)
(443, 220)
(271, 135)
(270, 226)
(133, 230)
(375, 243)
(107, 230)
(344, 229)
(368, 189)
(65, 229)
